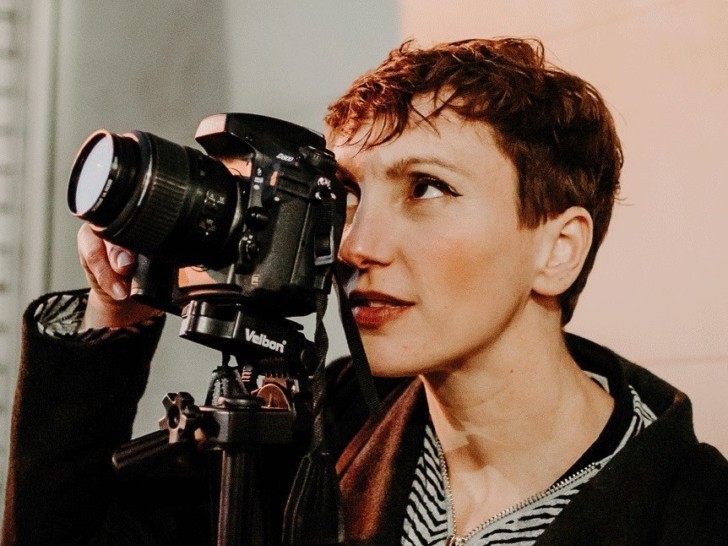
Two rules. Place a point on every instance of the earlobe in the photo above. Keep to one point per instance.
(567, 241)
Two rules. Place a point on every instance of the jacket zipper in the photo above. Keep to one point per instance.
(460, 540)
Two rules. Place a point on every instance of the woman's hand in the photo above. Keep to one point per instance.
(109, 269)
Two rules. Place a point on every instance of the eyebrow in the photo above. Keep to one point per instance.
(403, 165)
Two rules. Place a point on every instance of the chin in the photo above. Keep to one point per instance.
(388, 367)
(394, 364)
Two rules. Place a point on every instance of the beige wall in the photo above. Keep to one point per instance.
(658, 294)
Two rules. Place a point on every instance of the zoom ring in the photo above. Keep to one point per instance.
(160, 208)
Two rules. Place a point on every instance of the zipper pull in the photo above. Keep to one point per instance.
(454, 540)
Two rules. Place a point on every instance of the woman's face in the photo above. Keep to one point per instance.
(442, 268)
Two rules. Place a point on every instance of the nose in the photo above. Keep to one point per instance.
(368, 240)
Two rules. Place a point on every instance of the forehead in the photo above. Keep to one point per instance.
(443, 138)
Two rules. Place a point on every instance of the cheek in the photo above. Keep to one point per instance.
(449, 273)
(452, 261)
(478, 263)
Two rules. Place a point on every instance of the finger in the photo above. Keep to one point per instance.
(121, 259)
(96, 263)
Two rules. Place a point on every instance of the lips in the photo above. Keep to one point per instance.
(373, 309)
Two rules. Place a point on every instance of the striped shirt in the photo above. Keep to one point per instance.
(429, 515)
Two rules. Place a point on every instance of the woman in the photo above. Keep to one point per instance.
(481, 183)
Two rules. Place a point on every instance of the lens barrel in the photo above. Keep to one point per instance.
(153, 196)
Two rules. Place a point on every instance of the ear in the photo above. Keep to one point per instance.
(566, 243)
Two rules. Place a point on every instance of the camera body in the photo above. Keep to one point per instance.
(255, 223)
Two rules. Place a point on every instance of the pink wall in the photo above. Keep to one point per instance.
(658, 294)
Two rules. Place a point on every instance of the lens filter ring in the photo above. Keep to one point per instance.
(99, 184)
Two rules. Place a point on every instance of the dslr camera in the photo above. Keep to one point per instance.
(232, 240)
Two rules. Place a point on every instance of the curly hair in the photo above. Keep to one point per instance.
(554, 126)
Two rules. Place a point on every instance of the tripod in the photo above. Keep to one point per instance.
(266, 401)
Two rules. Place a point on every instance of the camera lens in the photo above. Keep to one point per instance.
(93, 175)
(154, 196)
(102, 177)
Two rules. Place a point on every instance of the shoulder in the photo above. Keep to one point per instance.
(705, 470)
(697, 506)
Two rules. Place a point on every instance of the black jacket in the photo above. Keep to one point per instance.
(76, 402)
(663, 488)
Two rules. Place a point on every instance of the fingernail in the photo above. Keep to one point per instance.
(123, 259)
(118, 291)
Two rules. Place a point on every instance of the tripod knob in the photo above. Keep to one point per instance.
(183, 417)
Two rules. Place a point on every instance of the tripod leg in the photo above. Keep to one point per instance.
(237, 499)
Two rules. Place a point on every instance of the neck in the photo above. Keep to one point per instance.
(512, 421)
(527, 406)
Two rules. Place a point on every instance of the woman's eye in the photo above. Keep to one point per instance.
(431, 188)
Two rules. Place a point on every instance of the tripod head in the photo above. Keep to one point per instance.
(264, 398)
